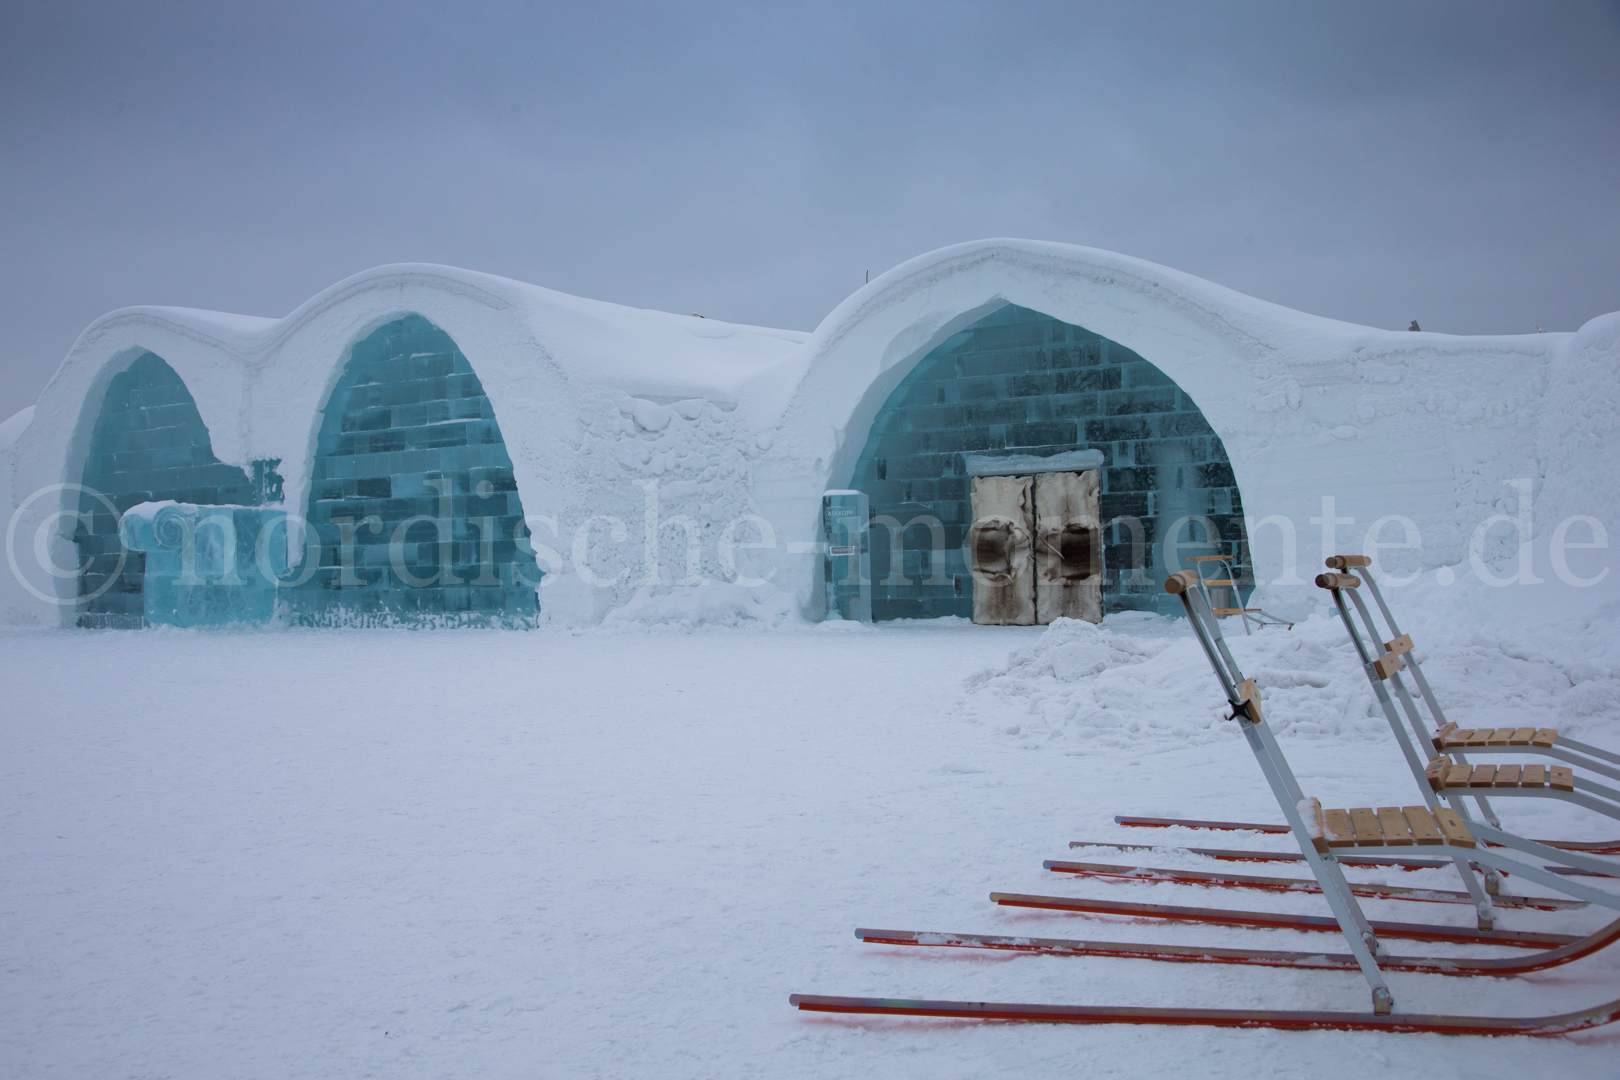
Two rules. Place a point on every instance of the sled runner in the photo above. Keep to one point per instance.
(1560, 1024)
(1297, 885)
(1271, 920)
(1244, 855)
(1433, 965)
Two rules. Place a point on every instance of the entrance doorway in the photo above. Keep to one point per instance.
(1036, 548)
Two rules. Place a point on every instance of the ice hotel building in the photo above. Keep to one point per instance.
(1018, 429)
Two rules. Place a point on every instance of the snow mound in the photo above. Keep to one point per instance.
(710, 603)
(1141, 682)
(1563, 674)
(1072, 649)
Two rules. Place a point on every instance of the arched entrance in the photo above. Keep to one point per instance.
(149, 444)
(412, 498)
(1020, 383)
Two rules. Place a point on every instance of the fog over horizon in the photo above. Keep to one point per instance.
(1453, 163)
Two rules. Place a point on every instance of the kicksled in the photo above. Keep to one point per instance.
(1438, 831)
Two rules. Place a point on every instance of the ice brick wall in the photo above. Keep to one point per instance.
(1024, 383)
(149, 443)
(412, 497)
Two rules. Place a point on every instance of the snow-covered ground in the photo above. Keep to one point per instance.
(616, 852)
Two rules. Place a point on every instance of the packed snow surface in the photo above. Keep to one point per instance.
(614, 853)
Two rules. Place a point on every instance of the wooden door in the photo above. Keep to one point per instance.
(1000, 545)
(1068, 547)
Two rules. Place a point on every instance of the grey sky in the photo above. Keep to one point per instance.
(1454, 163)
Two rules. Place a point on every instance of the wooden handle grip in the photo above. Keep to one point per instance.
(1388, 664)
(1345, 562)
(1176, 584)
(1337, 581)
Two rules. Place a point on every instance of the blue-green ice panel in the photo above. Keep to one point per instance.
(407, 418)
(149, 444)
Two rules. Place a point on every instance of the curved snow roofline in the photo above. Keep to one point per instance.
(256, 336)
(1077, 278)
(636, 350)
(1260, 324)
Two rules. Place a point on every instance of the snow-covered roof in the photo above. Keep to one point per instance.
(1422, 425)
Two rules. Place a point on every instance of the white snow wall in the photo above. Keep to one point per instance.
(605, 409)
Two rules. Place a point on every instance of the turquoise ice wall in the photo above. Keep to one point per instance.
(412, 496)
(149, 444)
(1021, 382)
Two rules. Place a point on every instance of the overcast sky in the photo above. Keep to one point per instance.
(1454, 163)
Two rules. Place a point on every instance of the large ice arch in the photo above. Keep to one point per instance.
(413, 505)
(1019, 382)
(1423, 426)
(148, 443)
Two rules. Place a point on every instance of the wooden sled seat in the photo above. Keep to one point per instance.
(1452, 737)
(1445, 775)
(1385, 826)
